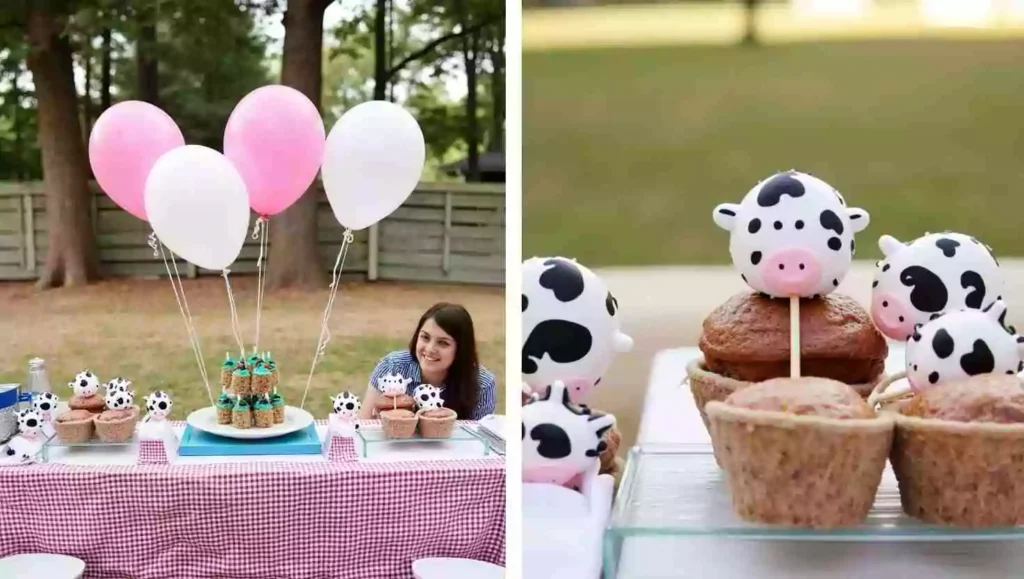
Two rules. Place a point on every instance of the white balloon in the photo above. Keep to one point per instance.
(372, 162)
(198, 206)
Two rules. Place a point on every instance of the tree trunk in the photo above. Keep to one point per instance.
(105, 72)
(750, 14)
(294, 259)
(470, 44)
(71, 255)
(497, 142)
(146, 67)
(19, 153)
(380, 57)
(87, 97)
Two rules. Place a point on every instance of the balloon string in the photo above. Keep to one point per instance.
(235, 326)
(325, 332)
(186, 313)
(260, 232)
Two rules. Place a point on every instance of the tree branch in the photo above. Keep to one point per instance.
(430, 46)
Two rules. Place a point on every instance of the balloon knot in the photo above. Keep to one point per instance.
(153, 244)
(349, 236)
(225, 272)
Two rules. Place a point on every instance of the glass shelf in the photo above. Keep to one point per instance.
(679, 491)
(92, 446)
(462, 440)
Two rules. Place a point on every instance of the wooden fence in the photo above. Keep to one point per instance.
(445, 232)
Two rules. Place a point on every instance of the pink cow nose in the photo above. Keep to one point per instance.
(792, 271)
(891, 316)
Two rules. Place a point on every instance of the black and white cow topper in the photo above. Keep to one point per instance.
(561, 439)
(961, 344)
(119, 399)
(791, 235)
(346, 410)
(158, 405)
(919, 280)
(427, 397)
(571, 324)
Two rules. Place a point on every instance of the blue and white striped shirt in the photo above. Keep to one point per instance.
(403, 363)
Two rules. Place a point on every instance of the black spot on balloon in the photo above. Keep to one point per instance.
(754, 226)
(782, 184)
(611, 304)
(943, 344)
(554, 442)
(947, 245)
(972, 280)
(562, 341)
(526, 302)
(778, 225)
(728, 212)
(874, 283)
(835, 283)
(799, 224)
(564, 279)
(744, 277)
(831, 222)
(755, 258)
(835, 244)
(928, 293)
(885, 267)
(979, 360)
(933, 377)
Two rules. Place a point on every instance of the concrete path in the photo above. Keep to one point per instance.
(664, 307)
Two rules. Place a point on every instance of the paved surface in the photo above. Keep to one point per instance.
(664, 308)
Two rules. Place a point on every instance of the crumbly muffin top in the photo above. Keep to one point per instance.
(805, 396)
(995, 398)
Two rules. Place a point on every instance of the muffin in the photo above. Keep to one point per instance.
(94, 403)
(803, 452)
(117, 425)
(959, 452)
(74, 426)
(399, 423)
(225, 404)
(746, 340)
(261, 380)
(400, 402)
(241, 414)
(263, 413)
(241, 382)
(436, 422)
(277, 401)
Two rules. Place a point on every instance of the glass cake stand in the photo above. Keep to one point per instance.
(679, 491)
(462, 439)
(93, 446)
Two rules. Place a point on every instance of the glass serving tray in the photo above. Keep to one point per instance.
(679, 491)
(462, 440)
(55, 445)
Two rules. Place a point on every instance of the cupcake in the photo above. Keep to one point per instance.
(746, 340)
(957, 452)
(241, 382)
(74, 426)
(93, 404)
(399, 423)
(241, 414)
(803, 452)
(261, 380)
(263, 413)
(277, 401)
(117, 425)
(400, 402)
(436, 422)
(225, 405)
(226, 370)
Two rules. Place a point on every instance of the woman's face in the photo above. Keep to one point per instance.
(435, 349)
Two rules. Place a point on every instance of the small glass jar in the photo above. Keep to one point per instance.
(38, 378)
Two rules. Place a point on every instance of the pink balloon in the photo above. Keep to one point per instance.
(125, 143)
(275, 137)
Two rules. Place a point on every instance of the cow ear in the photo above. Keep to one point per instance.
(600, 423)
(859, 219)
(996, 311)
(889, 245)
(725, 215)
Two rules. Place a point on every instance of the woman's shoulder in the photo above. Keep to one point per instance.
(397, 358)
(485, 376)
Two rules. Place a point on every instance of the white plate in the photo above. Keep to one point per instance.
(295, 419)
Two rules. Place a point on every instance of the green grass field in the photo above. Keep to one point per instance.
(627, 151)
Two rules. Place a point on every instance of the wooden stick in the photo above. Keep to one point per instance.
(794, 337)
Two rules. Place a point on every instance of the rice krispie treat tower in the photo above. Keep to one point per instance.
(241, 382)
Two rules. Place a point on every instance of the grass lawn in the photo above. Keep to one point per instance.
(134, 329)
(627, 151)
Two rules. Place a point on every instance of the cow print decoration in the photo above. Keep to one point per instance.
(919, 280)
(44, 403)
(159, 405)
(85, 384)
(30, 422)
(346, 405)
(119, 383)
(560, 439)
(791, 235)
(119, 399)
(393, 385)
(571, 323)
(427, 397)
(964, 343)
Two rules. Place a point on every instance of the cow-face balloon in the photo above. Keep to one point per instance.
(918, 281)
(961, 344)
(570, 323)
(560, 439)
(792, 235)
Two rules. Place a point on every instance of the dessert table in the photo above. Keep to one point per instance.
(331, 515)
(671, 417)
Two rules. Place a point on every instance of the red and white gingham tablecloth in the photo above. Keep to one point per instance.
(275, 520)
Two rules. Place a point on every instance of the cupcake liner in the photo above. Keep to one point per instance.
(117, 430)
(431, 427)
(776, 477)
(224, 415)
(75, 432)
(263, 418)
(963, 474)
(404, 427)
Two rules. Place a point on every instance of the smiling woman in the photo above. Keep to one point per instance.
(441, 353)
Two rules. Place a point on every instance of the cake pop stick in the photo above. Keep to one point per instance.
(791, 236)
